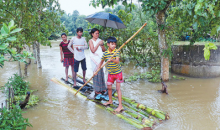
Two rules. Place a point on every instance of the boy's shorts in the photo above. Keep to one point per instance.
(76, 65)
(68, 62)
(112, 77)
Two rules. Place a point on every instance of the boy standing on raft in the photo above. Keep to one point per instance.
(114, 71)
(79, 43)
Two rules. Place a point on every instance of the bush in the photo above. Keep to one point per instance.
(33, 100)
(153, 75)
(12, 119)
(18, 84)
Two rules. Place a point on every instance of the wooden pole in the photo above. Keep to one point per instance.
(9, 98)
(112, 56)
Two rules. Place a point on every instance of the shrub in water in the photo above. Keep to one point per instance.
(12, 119)
(19, 86)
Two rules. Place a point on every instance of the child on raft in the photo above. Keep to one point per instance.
(114, 71)
(80, 45)
(66, 56)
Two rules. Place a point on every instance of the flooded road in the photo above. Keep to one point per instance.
(193, 104)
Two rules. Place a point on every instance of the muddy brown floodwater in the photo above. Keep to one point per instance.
(193, 104)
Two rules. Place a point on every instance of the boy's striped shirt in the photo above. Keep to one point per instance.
(112, 67)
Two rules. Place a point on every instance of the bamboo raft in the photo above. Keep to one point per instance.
(136, 114)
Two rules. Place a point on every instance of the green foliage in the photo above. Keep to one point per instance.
(38, 20)
(207, 48)
(141, 48)
(168, 53)
(18, 84)
(178, 78)
(196, 18)
(73, 21)
(154, 6)
(12, 119)
(33, 100)
(152, 76)
(6, 39)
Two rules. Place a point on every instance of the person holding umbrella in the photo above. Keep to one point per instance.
(97, 48)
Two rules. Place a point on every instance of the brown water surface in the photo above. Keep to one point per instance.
(193, 104)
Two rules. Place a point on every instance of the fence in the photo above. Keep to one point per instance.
(7, 102)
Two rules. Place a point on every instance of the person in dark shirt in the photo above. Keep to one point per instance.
(67, 57)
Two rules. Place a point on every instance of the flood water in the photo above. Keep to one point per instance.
(193, 104)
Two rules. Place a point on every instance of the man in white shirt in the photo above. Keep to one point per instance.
(79, 44)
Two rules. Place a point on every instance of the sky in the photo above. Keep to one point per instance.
(81, 5)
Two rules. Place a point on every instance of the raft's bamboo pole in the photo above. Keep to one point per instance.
(112, 56)
(156, 113)
(145, 110)
(109, 109)
(120, 115)
(67, 86)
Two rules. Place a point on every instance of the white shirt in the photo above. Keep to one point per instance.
(81, 44)
(96, 56)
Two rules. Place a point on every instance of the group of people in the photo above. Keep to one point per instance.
(72, 54)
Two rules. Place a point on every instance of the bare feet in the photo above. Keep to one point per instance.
(108, 103)
(84, 81)
(119, 109)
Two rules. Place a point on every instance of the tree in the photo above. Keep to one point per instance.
(202, 13)
(143, 52)
(6, 37)
(39, 19)
(73, 21)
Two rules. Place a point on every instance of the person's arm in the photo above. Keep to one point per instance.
(115, 60)
(61, 53)
(92, 48)
(73, 50)
(85, 45)
(99, 66)
(101, 62)
(69, 46)
(102, 46)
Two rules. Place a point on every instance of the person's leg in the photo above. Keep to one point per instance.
(120, 107)
(76, 67)
(119, 80)
(66, 71)
(74, 78)
(84, 76)
(83, 65)
(110, 81)
(72, 69)
(109, 95)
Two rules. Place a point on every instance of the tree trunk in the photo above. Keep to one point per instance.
(19, 64)
(37, 43)
(160, 17)
(25, 69)
(38, 55)
(29, 61)
(19, 69)
(29, 50)
(34, 52)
